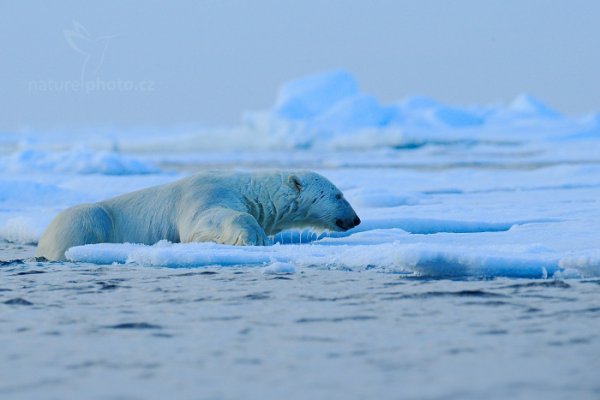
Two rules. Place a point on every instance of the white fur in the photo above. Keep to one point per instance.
(222, 207)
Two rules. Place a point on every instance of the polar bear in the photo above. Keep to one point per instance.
(224, 207)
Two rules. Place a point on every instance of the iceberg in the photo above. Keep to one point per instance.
(329, 110)
(78, 160)
(308, 97)
(525, 105)
(353, 113)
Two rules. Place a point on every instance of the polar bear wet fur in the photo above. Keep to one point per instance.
(223, 207)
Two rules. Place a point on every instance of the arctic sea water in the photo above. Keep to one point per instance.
(474, 274)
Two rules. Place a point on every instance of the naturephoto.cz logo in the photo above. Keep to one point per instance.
(93, 50)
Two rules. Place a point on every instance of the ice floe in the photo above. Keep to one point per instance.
(472, 191)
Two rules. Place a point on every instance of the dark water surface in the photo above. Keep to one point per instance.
(131, 332)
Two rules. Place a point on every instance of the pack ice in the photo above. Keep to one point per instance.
(507, 189)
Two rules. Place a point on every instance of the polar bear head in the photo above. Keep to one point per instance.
(318, 203)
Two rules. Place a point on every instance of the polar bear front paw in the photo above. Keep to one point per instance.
(228, 227)
(251, 238)
(244, 230)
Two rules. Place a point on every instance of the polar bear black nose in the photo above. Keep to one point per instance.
(347, 224)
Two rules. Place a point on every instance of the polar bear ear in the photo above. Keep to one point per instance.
(294, 183)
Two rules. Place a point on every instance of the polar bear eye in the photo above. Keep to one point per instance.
(338, 196)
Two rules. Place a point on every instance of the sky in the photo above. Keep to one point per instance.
(135, 64)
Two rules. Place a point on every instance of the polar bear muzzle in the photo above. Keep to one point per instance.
(345, 224)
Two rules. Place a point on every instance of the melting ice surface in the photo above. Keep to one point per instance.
(443, 191)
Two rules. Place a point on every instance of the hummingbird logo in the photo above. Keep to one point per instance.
(92, 48)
